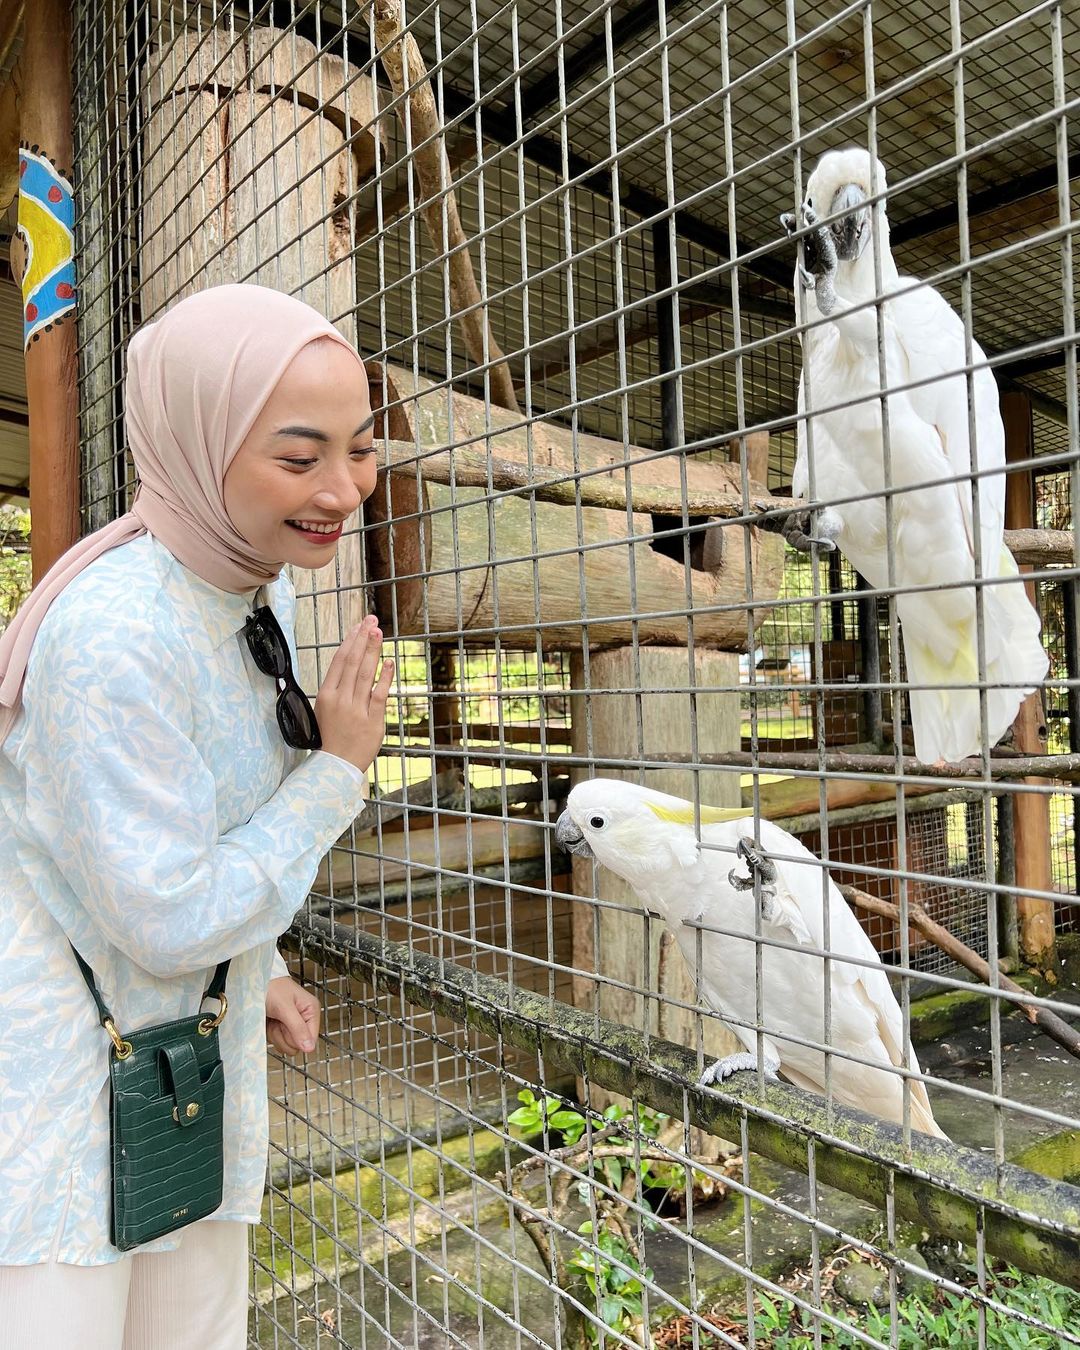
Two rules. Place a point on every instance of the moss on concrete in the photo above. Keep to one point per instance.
(316, 1224)
(1058, 1156)
(949, 1189)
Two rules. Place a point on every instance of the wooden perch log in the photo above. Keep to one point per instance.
(1057, 1029)
(471, 466)
(421, 805)
(444, 559)
(456, 846)
(1064, 768)
(408, 77)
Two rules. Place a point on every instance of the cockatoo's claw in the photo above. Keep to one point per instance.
(757, 860)
(790, 221)
(796, 527)
(742, 1061)
(819, 261)
(762, 870)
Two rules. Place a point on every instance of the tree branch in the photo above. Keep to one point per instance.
(1057, 1029)
(469, 466)
(408, 77)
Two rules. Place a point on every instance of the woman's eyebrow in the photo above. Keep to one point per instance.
(311, 434)
(305, 433)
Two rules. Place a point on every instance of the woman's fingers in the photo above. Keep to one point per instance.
(351, 704)
(338, 662)
(356, 655)
(381, 692)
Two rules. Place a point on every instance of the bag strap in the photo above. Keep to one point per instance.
(216, 988)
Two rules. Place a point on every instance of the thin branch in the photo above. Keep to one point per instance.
(1064, 768)
(467, 466)
(1057, 1029)
(408, 77)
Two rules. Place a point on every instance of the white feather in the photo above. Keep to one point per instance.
(934, 536)
(640, 837)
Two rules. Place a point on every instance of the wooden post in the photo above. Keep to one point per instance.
(1031, 812)
(229, 194)
(46, 218)
(755, 448)
(628, 946)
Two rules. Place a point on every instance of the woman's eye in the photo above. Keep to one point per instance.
(300, 463)
(363, 451)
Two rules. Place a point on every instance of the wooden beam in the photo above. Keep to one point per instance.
(51, 362)
(419, 112)
(11, 18)
(987, 202)
(471, 466)
(1031, 811)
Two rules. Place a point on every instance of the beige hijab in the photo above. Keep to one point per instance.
(196, 381)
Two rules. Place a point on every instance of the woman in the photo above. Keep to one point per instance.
(153, 816)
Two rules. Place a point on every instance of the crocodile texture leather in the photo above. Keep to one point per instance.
(167, 1099)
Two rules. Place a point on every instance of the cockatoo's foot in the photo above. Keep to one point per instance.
(763, 869)
(819, 249)
(824, 523)
(742, 1061)
(790, 222)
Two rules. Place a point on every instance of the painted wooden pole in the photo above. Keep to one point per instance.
(46, 269)
(1031, 811)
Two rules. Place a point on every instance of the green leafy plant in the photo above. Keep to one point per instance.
(536, 1113)
(941, 1320)
(613, 1275)
(14, 560)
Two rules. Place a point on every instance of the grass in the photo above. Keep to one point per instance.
(935, 1319)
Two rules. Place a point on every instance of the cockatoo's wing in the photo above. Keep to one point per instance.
(931, 337)
(801, 917)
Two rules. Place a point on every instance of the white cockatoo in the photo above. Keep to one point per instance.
(933, 534)
(648, 838)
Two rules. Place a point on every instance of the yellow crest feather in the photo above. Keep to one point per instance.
(708, 815)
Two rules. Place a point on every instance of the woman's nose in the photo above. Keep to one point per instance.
(338, 492)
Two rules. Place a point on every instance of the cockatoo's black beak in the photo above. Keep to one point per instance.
(853, 231)
(569, 837)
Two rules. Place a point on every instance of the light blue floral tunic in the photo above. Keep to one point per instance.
(150, 812)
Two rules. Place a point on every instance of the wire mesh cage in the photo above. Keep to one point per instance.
(606, 380)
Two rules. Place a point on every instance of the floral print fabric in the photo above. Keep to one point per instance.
(151, 814)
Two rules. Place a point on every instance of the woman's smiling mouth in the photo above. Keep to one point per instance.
(319, 531)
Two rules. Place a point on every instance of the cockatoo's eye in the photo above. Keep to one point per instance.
(597, 822)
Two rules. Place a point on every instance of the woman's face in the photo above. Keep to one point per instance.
(308, 461)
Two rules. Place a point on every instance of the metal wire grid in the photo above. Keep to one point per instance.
(696, 113)
(1058, 613)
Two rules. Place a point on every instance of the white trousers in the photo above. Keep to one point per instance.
(194, 1298)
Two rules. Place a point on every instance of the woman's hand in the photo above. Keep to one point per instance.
(292, 1017)
(350, 712)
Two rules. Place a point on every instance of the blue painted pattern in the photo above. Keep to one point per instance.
(150, 812)
(46, 224)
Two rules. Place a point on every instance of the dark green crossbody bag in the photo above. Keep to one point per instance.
(167, 1092)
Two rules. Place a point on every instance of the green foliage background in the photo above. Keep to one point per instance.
(14, 560)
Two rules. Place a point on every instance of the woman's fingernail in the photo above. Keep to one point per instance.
(307, 1045)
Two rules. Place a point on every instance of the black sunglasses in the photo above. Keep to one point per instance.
(270, 652)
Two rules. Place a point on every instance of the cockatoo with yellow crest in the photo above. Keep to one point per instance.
(934, 539)
(650, 839)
